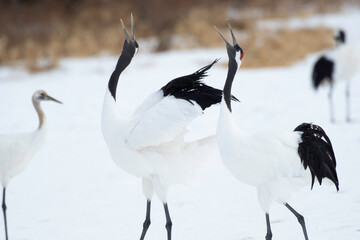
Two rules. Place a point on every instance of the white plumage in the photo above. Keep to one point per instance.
(347, 61)
(17, 150)
(269, 161)
(169, 114)
(152, 144)
(275, 163)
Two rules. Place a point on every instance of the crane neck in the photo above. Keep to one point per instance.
(232, 68)
(122, 63)
(40, 113)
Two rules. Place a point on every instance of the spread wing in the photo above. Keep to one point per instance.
(166, 113)
(163, 122)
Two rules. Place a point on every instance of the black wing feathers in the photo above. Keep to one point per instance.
(190, 88)
(316, 152)
(323, 70)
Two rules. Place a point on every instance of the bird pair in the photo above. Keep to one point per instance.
(150, 143)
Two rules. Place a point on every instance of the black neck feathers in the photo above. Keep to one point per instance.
(123, 61)
(232, 68)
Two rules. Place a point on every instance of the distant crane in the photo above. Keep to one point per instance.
(340, 64)
(150, 144)
(17, 150)
(275, 163)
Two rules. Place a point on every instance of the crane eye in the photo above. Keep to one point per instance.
(42, 96)
(239, 49)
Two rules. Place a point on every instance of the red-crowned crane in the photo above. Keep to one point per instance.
(150, 143)
(17, 150)
(275, 163)
(339, 64)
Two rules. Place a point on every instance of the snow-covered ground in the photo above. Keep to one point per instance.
(73, 190)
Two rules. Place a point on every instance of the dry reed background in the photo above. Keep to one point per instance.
(40, 32)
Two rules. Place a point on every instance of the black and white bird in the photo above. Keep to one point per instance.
(339, 64)
(17, 150)
(150, 143)
(275, 163)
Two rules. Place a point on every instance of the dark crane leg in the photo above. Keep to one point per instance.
(331, 104)
(4, 211)
(347, 93)
(300, 218)
(147, 221)
(168, 221)
(269, 233)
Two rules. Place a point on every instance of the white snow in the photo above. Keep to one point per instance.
(73, 190)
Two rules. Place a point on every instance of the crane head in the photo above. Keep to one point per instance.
(41, 95)
(234, 50)
(130, 42)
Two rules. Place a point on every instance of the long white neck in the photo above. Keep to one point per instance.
(40, 113)
(226, 123)
(39, 136)
(112, 122)
(110, 113)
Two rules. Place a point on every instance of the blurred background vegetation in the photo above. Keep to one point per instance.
(40, 32)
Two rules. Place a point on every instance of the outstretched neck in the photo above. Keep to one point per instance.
(232, 68)
(40, 113)
(123, 61)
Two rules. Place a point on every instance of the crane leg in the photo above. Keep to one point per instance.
(168, 221)
(331, 104)
(147, 221)
(4, 211)
(347, 93)
(300, 218)
(268, 227)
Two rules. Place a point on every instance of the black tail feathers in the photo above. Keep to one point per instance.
(316, 152)
(191, 88)
(201, 73)
(322, 71)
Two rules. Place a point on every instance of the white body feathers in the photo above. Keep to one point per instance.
(150, 144)
(16, 152)
(346, 59)
(269, 162)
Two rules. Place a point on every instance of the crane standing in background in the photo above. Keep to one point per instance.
(339, 64)
(17, 150)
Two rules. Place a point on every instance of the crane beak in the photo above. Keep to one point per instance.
(132, 28)
(227, 43)
(49, 98)
(231, 31)
(127, 36)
